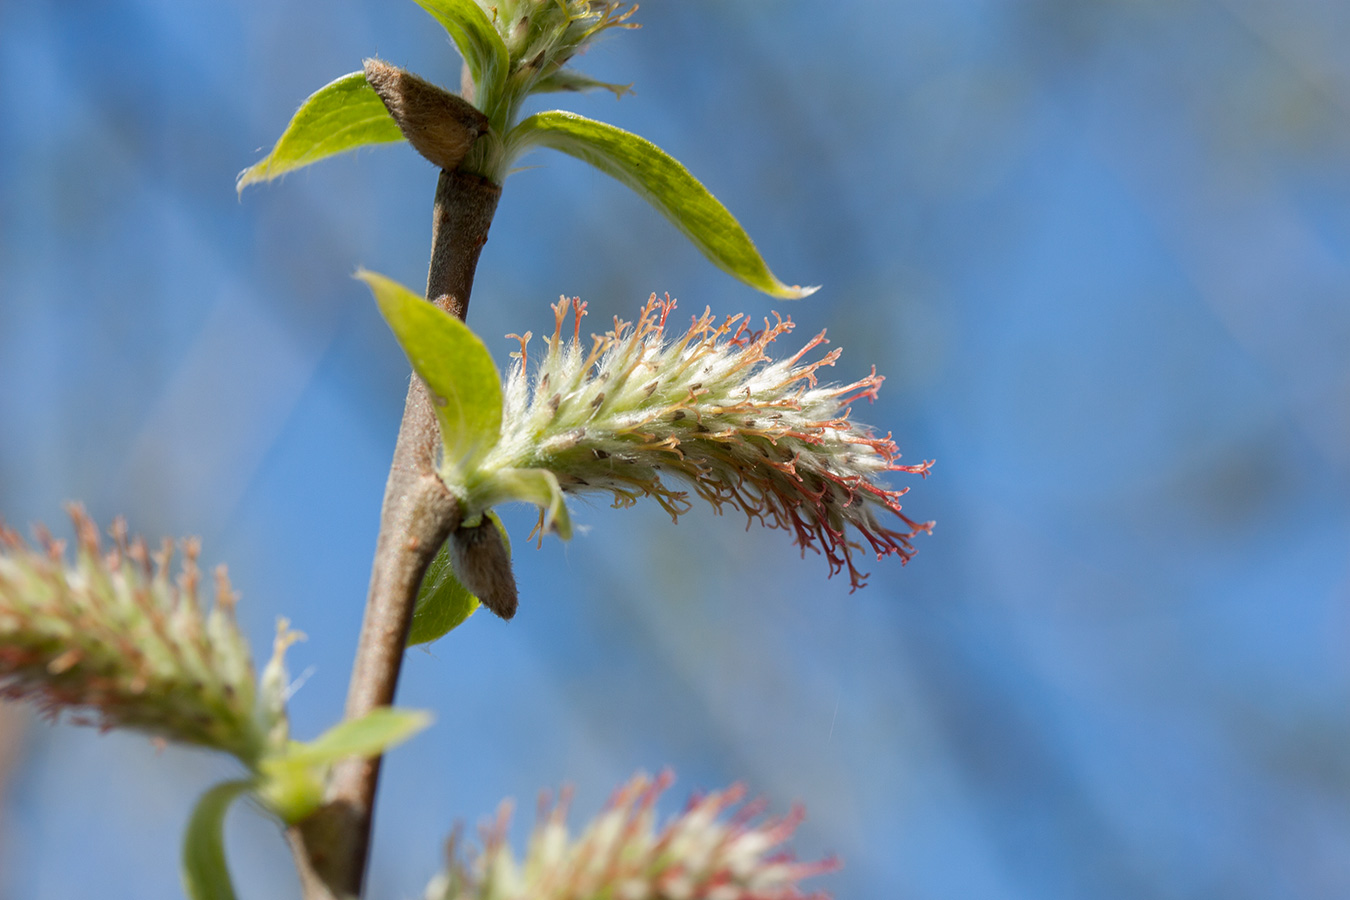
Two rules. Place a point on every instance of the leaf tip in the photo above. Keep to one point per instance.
(373, 280)
(251, 175)
(790, 291)
(405, 724)
(418, 720)
(381, 288)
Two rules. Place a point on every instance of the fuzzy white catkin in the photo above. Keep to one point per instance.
(636, 411)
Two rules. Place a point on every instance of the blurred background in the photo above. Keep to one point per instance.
(1101, 252)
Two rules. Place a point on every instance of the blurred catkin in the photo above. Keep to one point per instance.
(117, 642)
(621, 854)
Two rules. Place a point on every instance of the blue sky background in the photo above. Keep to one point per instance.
(1101, 251)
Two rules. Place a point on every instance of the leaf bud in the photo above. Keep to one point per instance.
(483, 565)
(440, 125)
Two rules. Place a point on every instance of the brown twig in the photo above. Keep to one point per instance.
(418, 515)
(13, 723)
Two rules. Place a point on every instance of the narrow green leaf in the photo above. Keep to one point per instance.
(370, 735)
(205, 874)
(478, 43)
(568, 80)
(342, 115)
(662, 182)
(458, 370)
(537, 486)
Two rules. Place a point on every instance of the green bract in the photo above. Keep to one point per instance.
(511, 50)
(537, 486)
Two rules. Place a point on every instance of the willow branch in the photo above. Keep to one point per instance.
(418, 515)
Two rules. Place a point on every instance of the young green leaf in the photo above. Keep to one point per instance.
(568, 80)
(458, 371)
(664, 183)
(443, 603)
(478, 43)
(341, 115)
(291, 782)
(370, 735)
(205, 874)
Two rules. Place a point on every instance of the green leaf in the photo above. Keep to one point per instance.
(370, 735)
(458, 370)
(205, 874)
(662, 182)
(478, 43)
(537, 486)
(292, 778)
(342, 115)
(443, 603)
(568, 80)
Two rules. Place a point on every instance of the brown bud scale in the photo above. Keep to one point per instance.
(440, 125)
(483, 565)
